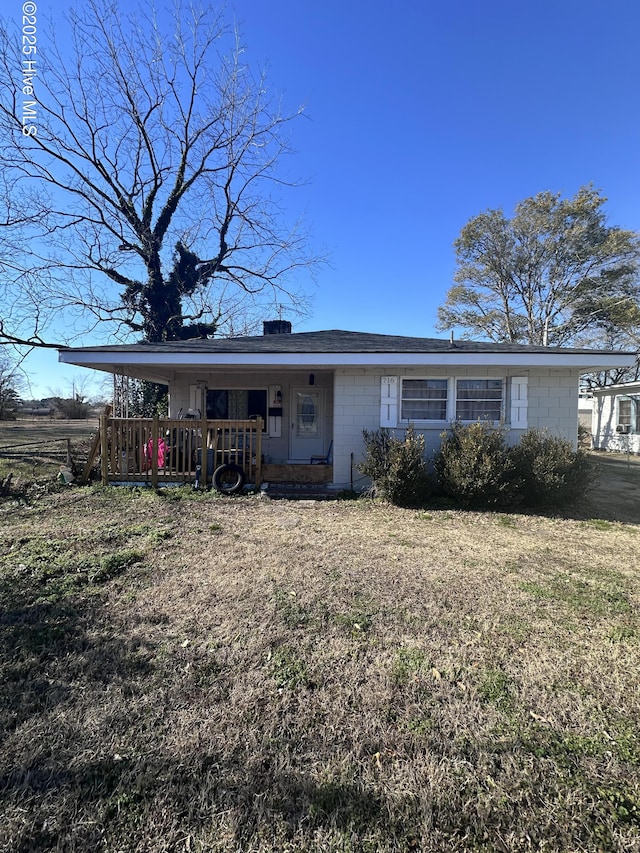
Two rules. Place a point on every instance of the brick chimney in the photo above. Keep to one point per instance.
(276, 327)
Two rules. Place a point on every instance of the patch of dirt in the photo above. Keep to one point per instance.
(616, 494)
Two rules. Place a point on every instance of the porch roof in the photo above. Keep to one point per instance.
(628, 388)
(333, 348)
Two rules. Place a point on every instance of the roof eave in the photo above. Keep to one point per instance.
(584, 361)
(620, 388)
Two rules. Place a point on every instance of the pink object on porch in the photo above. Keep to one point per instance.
(148, 452)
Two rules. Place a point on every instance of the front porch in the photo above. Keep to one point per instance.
(199, 451)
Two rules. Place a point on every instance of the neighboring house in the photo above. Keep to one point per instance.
(585, 409)
(616, 418)
(319, 390)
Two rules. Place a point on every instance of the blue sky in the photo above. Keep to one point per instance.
(422, 114)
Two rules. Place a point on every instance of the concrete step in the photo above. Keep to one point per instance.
(297, 491)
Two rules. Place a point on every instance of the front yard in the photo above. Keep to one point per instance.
(183, 672)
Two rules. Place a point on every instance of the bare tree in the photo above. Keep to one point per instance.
(143, 183)
(549, 275)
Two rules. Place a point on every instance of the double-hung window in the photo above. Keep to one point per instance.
(479, 399)
(424, 400)
(625, 414)
(449, 399)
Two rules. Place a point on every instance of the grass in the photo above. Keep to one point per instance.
(190, 673)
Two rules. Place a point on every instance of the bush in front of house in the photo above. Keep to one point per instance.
(396, 466)
(474, 466)
(551, 472)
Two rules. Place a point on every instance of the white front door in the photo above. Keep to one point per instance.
(307, 423)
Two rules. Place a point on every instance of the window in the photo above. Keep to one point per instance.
(237, 405)
(447, 399)
(478, 399)
(625, 414)
(424, 400)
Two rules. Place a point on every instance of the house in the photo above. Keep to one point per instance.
(316, 391)
(585, 410)
(616, 418)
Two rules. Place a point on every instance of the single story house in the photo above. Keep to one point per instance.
(616, 418)
(585, 410)
(316, 391)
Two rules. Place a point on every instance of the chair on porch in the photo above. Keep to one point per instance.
(323, 460)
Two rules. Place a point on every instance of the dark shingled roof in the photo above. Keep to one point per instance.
(331, 341)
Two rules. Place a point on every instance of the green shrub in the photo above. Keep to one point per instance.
(474, 467)
(550, 470)
(376, 462)
(396, 467)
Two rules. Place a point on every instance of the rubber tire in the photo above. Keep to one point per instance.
(228, 479)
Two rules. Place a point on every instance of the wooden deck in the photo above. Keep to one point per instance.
(170, 450)
(157, 451)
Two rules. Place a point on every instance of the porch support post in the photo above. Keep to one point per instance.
(204, 453)
(155, 429)
(95, 446)
(104, 449)
(259, 425)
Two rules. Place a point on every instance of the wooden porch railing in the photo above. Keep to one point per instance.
(171, 450)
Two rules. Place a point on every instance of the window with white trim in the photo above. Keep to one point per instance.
(424, 400)
(626, 414)
(479, 399)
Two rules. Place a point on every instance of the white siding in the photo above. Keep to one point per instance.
(388, 401)
(519, 402)
(605, 421)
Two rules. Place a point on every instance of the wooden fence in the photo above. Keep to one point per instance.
(170, 450)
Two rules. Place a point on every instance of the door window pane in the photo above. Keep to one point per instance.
(307, 415)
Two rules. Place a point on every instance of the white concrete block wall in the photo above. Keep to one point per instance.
(552, 405)
(553, 402)
(351, 385)
(352, 398)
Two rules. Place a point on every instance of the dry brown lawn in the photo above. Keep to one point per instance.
(193, 673)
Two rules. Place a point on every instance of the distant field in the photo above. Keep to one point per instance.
(34, 449)
(43, 429)
(185, 672)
